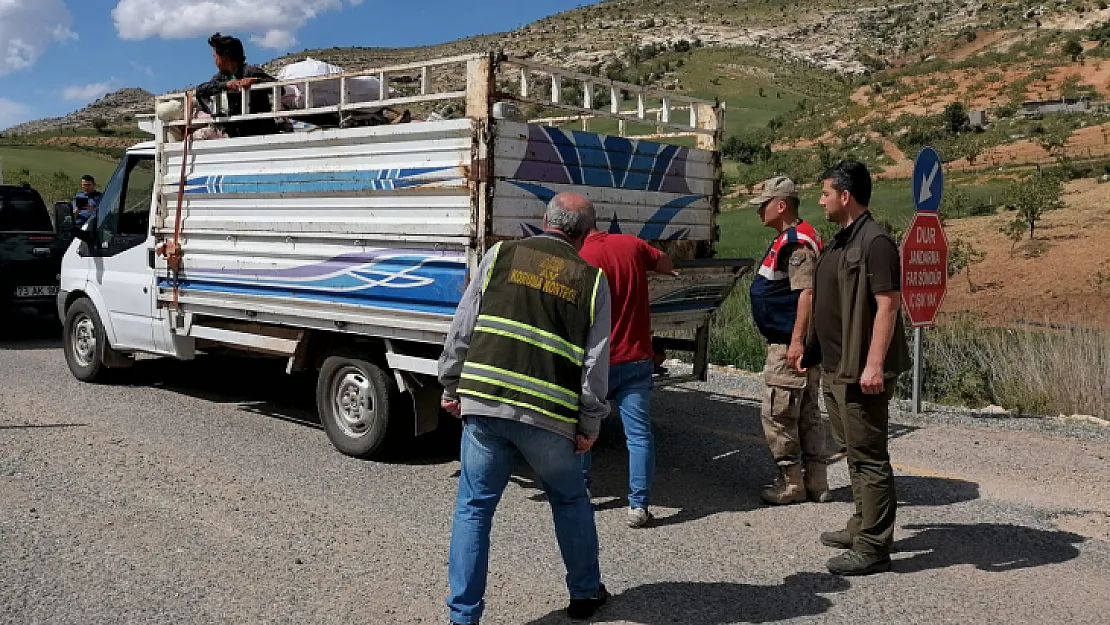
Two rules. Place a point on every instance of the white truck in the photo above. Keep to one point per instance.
(346, 250)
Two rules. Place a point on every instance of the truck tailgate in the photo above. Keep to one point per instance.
(684, 303)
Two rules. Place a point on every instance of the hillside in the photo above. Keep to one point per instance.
(117, 107)
(840, 39)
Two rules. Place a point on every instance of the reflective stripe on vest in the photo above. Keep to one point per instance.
(593, 298)
(489, 274)
(521, 383)
(801, 233)
(512, 402)
(531, 335)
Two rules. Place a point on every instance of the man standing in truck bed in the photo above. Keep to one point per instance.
(781, 299)
(235, 76)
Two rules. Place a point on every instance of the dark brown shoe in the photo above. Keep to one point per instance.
(840, 539)
(857, 563)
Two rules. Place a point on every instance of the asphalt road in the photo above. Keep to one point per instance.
(204, 492)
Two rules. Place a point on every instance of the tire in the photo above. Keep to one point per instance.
(84, 341)
(358, 402)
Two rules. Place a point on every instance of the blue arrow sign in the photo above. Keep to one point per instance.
(928, 181)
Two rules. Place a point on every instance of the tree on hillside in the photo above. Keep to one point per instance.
(747, 148)
(954, 204)
(962, 255)
(748, 176)
(100, 124)
(973, 150)
(955, 118)
(1073, 49)
(1032, 198)
(1054, 139)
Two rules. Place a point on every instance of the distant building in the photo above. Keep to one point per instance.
(977, 119)
(1081, 104)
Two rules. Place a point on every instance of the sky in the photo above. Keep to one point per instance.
(57, 56)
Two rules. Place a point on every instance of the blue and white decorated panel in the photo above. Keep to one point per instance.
(411, 280)
(365, 182)
(325, 224)
(653, 190)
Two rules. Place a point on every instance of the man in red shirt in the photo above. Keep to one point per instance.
(626, 261)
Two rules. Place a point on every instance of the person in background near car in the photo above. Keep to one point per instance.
(626, 261)
(86, 201)
(781, 300)
(525, 365)
(235, 76)
(857, 338)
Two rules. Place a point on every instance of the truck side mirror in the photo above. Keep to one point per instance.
(63, 218)
(85, 233)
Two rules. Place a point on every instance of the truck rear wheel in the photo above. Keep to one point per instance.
(85, 341)
(357, 401)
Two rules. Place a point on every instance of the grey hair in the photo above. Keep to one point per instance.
(573, 223)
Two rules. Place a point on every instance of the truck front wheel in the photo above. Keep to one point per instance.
(85, 341)
(356, 401)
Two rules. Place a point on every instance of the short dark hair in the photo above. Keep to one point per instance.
(88, 178)
(853, 177)
(228, 46)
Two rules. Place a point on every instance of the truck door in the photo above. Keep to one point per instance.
(121, 259)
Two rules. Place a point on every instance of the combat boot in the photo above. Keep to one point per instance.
(817, 482)
(788, 487)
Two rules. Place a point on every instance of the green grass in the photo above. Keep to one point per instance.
(55, 174)
(735, 76)
(743, 235)
(48, 161)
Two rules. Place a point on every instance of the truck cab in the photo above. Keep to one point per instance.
(111, 266)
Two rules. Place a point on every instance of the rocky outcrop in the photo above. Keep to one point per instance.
(116, 107)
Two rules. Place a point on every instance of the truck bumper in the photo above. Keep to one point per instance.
(61, 302)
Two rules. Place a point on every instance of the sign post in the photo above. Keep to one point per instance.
(924, 259)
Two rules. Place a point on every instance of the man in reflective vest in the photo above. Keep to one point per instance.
(526, 366)
(781, 299)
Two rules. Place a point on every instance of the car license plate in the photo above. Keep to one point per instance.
(35, 291)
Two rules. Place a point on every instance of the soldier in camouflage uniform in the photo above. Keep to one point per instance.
(781, 298)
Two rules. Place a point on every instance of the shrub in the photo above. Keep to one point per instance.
(734, 339)
(1028, 370)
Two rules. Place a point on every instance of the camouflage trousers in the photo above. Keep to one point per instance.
(791, 416)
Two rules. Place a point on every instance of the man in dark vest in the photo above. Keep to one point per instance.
(859, 342)
(526, 366)
(781, 299)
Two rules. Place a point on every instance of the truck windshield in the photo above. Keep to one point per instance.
(22, 210)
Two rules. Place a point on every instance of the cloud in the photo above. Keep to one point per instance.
(92, 91)
(272, 23)
(146, 70)
(27, 28)
(12, 113)
(276, 40)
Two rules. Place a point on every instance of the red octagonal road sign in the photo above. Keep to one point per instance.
(924, 269)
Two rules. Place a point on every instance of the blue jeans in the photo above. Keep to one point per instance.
(489, 452)
(630, 387)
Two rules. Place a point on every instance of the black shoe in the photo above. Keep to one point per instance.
(857, 563)
(581, 609)
(839, 539)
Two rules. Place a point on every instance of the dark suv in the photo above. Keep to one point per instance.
(30, 251)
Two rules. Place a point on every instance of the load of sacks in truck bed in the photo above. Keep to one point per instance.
(294, 97)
